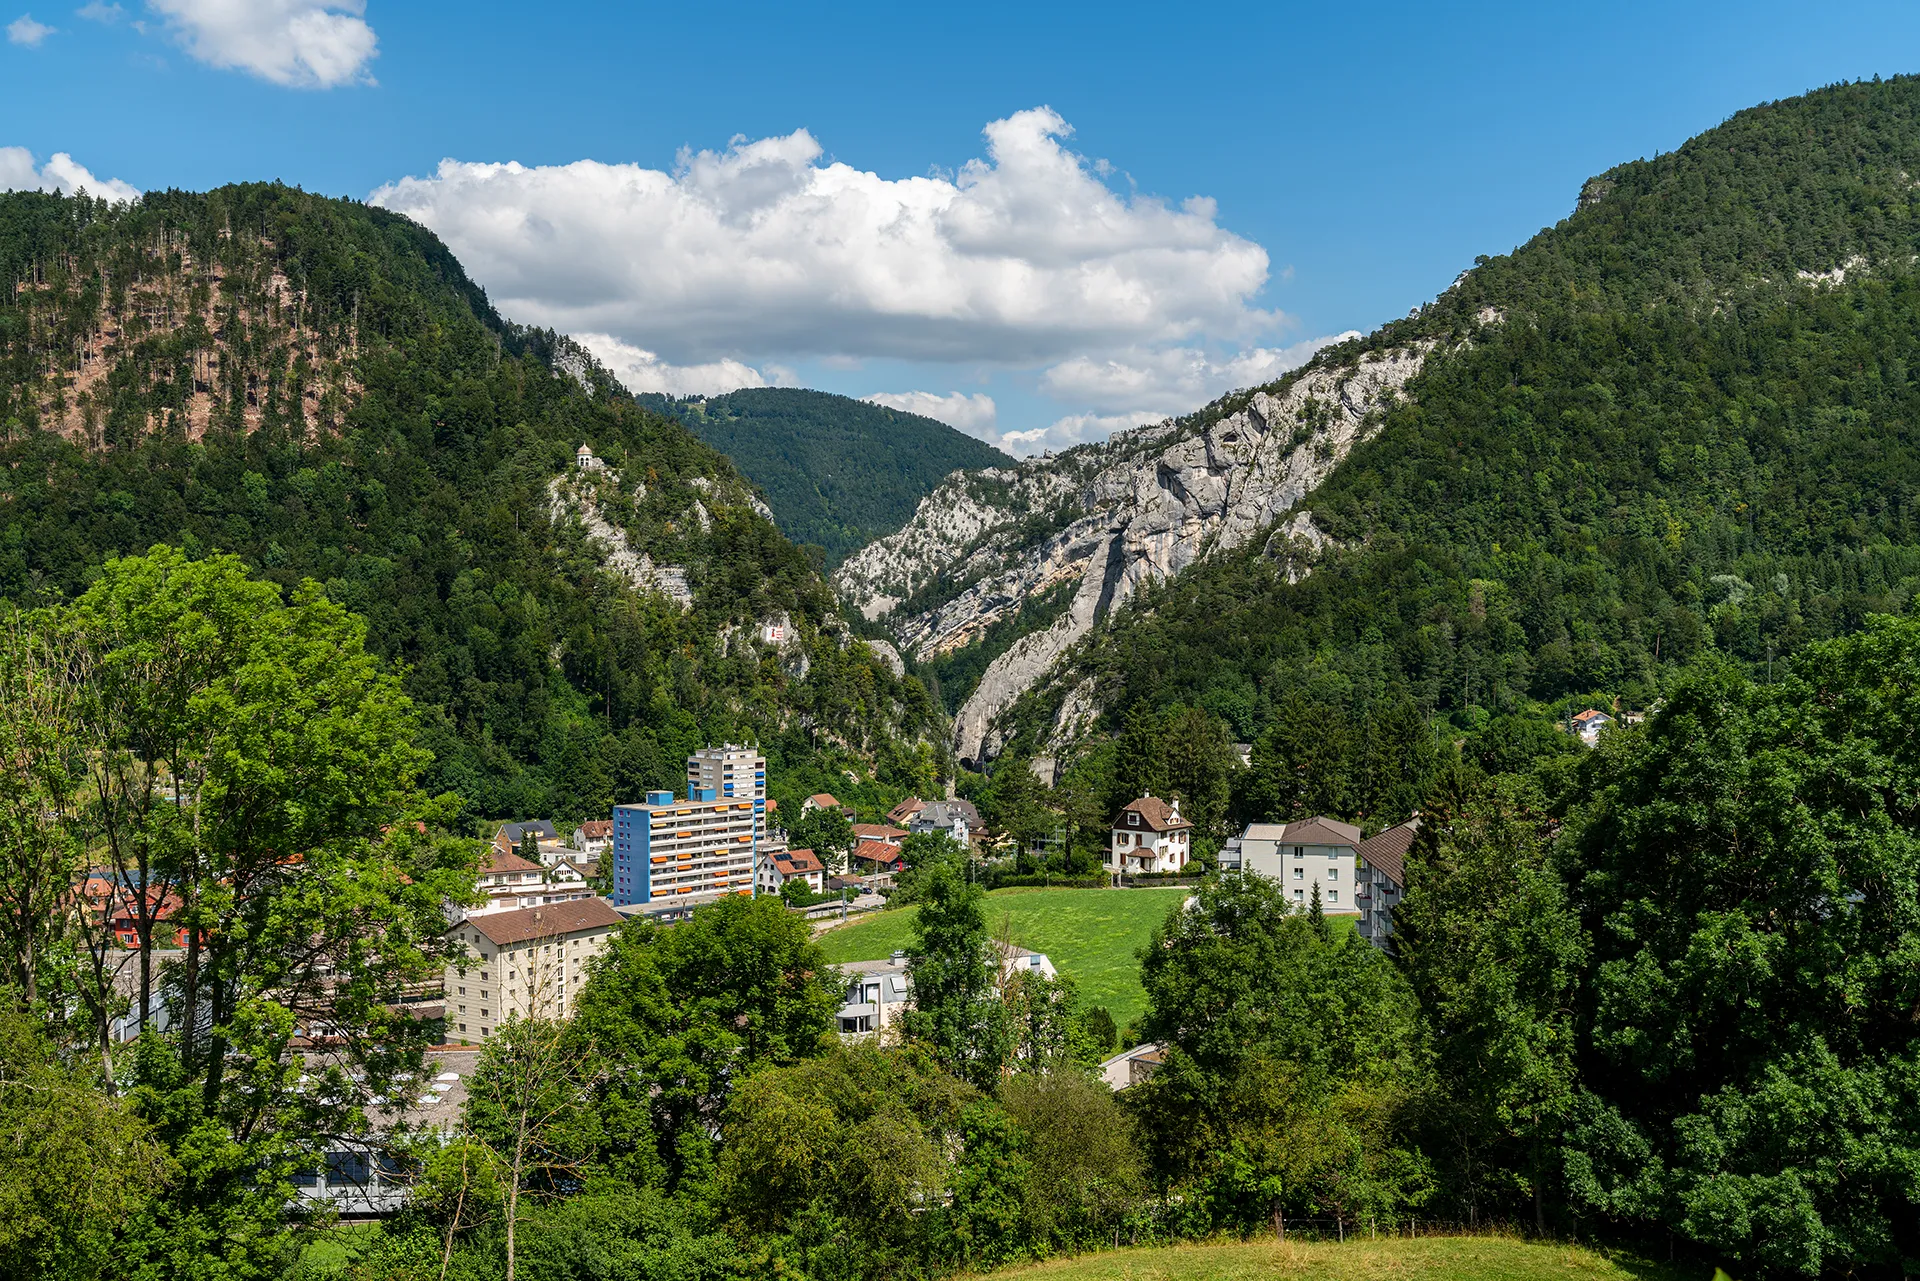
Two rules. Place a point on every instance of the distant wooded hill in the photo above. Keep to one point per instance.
(837, 472)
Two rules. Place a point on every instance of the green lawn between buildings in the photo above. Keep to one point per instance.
(1463, 1258)
(1092, 935)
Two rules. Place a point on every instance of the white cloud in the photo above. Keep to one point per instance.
(973, 414)
(95, 11)
(1172, 380)
(61, 173)
(1025, 256)
(23, 30)
(642, 370)
(303, 44)
(1074, 429)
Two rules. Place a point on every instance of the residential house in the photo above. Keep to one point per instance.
(958, 820)
(902, 814)
(1588, 725)
(884, 833)
(511, 838)
(781, 866)
(1382, 879)
(1130, 1067)
(529, 963)
(1150, 836)
(877, 858)
(878, 994)
(1298, 856)
(819, 801)
(593, 837)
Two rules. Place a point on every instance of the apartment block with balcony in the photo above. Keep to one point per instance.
(732, 773)
(694, 849)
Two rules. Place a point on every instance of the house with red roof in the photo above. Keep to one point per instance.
(1150, 836)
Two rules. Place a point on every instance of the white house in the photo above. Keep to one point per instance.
(779, 866)
(1300, 855)
(531, 962)
(511, 882)
(955, 819)
(879, 992)
(1150, 836)
(1588, 725)
(592, 838)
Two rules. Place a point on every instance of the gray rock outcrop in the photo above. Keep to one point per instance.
(1108, 519)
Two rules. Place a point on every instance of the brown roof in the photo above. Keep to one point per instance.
(877, 832)
(876, 852)
(1321, 830)
(596, 828)
(797, 863)
(1388, 850)
(905, 809)
(1154, 813)
(1589, 715)
(824, 800)
(498, 862)
(548, 921)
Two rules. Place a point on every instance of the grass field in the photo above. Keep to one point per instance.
(1091, 935)
(1475, 1258)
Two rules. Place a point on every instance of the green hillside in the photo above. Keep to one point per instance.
(1680, 422)
(1092, 936)
(315, 385)
(837, 472)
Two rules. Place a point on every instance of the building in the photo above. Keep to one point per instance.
(878, 994)
(511, 838)
(529, 964)
(1383, 879)
(731, 773)
(902, 814)
(583, 459)
(1130, 1067)
(1588, 725)
(511, 882)
(697, 848)
(593, 838)
(780, 866)
(819, 801)
(884, 833)
(956, 819)
(1300, 855)
(1150, 836)
(877, 858)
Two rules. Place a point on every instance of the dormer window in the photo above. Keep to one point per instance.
(1133, 820)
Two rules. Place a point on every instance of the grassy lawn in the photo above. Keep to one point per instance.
(1481, 1258)
(1089, 934)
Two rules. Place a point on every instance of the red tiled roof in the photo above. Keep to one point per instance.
(498, 862)
(797, 863)
(824, 800)
(876, 852)
(1388, 850)
(1155, 814)
(905, 809)
(597, 828)
(551, 920)
(1590, 715)
(877, 832)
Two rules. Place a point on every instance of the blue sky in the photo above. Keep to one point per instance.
(1348, 160)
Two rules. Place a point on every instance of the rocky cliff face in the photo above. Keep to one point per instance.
(1109, 518)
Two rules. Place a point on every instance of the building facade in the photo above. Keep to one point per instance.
(697, 849)
(530, 964)
(1150, 836)
(1301, 855)
(732, 773)
(1383, 879)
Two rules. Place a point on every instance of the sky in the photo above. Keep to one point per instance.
(1040, 223)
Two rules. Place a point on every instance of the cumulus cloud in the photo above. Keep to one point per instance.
(973, 414)
(23, 30)
(1021, 257)
(62, 173)
(96, 11)
(303, 44)
(1074, 429)
(1172, 380)
(641, 370)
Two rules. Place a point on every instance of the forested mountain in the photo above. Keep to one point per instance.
(316, 385)
(1680, 421)
(837, 472)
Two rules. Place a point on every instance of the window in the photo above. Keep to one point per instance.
(463, 1027)
(1333, 896)
(1133, 820)
(1299, 874)
(489, 1014)
(1299, 852)
(1333, 874)
(486, 1031)
(1299, 895)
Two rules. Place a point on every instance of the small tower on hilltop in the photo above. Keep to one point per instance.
(583, 459)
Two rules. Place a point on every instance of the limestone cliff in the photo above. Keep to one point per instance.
(1110, 518)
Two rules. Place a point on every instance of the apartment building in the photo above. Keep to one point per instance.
(732, 773)
(694, 849)
(529, 963)
(1298, 856)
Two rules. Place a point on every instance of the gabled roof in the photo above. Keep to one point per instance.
(595, 828)
(542, 831)
(1155, 814)
(824, 800)
(1387, 850)
(905, 810)
(552, 920)
(944, 813)
(797, 863)
(876, 852)
(877, 832)
(1321, 830)
(1591, 715)
(498, 862)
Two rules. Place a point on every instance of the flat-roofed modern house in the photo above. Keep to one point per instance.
(1150, 836)
(529, 963)
(1300, 855)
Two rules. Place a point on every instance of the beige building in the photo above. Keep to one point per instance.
(1301, 855)
(1150, 836)
(528, 964)
(731, 773)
